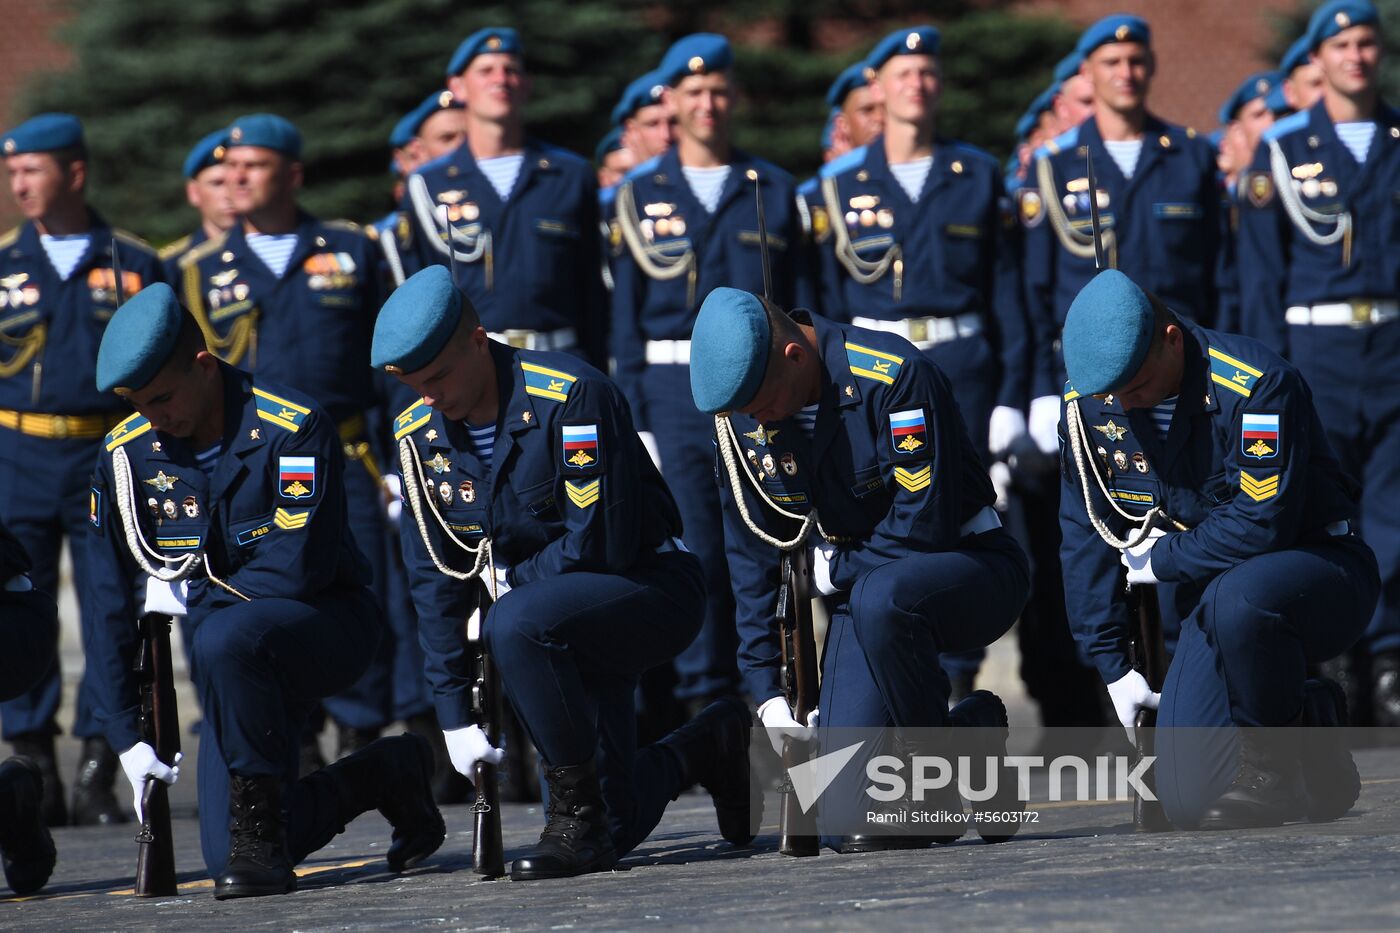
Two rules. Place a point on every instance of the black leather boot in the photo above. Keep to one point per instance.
(713, 749)
(39, 749)
(983, 712)
(94, 801)
(394, 776)
(575, 840)
(258, 863)
(25, 843)
(1329, 772)
(1385, 688)
(942, 809)
(449, 787)
(1268, 787)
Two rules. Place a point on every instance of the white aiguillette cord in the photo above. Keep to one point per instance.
(412, 465)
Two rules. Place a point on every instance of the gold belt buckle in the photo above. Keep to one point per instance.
(918, 330)
(1361, 312)
(58, 427)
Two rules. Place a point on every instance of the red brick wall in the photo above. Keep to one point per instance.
(27, 46)
(1205, 48)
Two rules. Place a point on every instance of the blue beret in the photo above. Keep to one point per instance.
(1278, 104)
(828, 128)
(44, 133)
(851, 79)
(139, 339)
(728, 350)
(609, 143)
(1331, 18)
(494, 39)
(267, 131)
(696, 54)
(1251, 89)
(1107, 334)
(416, 321)
(1296, 56)
(1068, 67)
(916, 40)
(208, 151)
(413, 121)
(1120, 27)
(642, 92)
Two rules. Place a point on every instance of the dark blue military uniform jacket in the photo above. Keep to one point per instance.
(1245, 467)
(538, 263)
(309, 329)
(1279, 266)
(958, 245)
(1165, 222)
(889, 468)
(51, 328)
(570, 489)
(656, 200)
(270, 521)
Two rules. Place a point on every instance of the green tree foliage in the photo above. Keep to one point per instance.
(152, 76)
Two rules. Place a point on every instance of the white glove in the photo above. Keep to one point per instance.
(649, 442)
(1000, 475)
(1138, 559)
(502, 583)
(1129, 694)
(1045, 423)
(393, 497)
(140, 762)
(821, 570)
(1006, 425)
(776, 716)
(468, 745)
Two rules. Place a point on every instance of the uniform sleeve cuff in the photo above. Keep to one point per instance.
(1164, 562)
(454, 710)
(123, 729)
(1111, 666)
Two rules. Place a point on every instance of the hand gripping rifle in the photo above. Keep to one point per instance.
(1147, 652)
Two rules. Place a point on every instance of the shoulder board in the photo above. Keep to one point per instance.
(1070, 393)
(646, 168)
(345, 226)
(1235, 375)
(171, 250)
(559, 154)
(1289, 124)
(411, 419)
(274, 409)
(7, 239)
(202, 250)
(873, 364)
(810, 186)
(842, 163)
(543, 382)
(1066, 140)
(132, 426)
(131, 239)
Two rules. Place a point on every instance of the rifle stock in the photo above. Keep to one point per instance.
(1150, 660)
(160, 726)
(797, 834)
(488, 852)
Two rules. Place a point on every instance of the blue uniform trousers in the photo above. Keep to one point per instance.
(261, 667)
(44, 489)
(29, 634)
(570, 650)
(1242, 658)
(1356, 388)
(685, 440)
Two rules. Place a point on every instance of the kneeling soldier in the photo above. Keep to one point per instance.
(531, 457)
(1213, 438)
(228, 494)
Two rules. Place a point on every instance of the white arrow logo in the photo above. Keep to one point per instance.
(811, 778)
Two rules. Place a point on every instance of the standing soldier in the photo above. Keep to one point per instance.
(58, 289)
(207, 190)
(427, 132)
(642, 117)
(522, 215)
(293, 299)
(689, 223)
(1320, 279)
(1303, 81)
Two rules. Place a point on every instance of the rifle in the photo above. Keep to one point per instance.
(797, 836)
(1149, 658)
(160, 726)
(488, 853)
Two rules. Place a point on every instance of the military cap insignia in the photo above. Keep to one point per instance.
(162, 482)
(494, 42)
(580, 447)
(912, 41)
(1237, 376)
(279, 411)
(296, 476)
(1259, 436)
(1258, 488)
(543, 382)
(1342, 19)
(1259, 188)
(914, 480)
(583, 493)
(288, 520)
(1032, 209)
(873, 364)
(1112, 431)
(761, 436)
(1121, 33)
(696, 64)
(908, 431)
